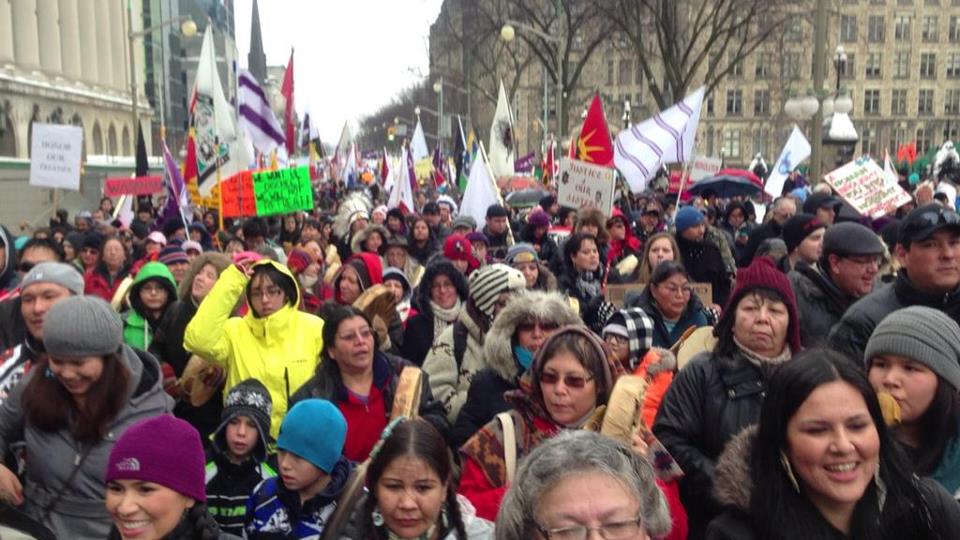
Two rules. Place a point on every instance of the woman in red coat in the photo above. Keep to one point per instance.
(105, 277)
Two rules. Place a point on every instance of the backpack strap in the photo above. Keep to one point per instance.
(509, 444)
(459, 343)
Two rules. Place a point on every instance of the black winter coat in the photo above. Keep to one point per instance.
(704, 263)
(327, 384)
(12, 327)
(770, 229)
(167, 346)
(417, 338)
(820, 303)
(711, 399)
(484, 401)
(850, 334)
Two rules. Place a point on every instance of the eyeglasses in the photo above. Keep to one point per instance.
(545, 326)
(364, 334)
(614, 339)
(618, 530)
(930, 218)
(865, 260)
(573, 381)
(674, 290)
(25, 266)
(152, 288)
(269, 292)
(439, 285)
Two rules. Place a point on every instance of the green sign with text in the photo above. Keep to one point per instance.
(283, 191)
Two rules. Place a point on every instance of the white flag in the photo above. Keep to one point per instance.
(402, 194)
(668, 137)
(502, 152)
(481, 191)
(794, 152)
(342, 151)
(215, 123)
(418, 143)
(892, 176)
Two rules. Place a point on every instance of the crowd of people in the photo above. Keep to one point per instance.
(359, 372)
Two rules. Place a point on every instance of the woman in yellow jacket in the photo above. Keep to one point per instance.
(275, 342)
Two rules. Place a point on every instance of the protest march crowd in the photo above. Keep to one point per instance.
(356, 372)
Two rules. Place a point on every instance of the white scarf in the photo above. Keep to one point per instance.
(443, 318)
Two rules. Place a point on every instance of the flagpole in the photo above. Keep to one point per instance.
(496, 189)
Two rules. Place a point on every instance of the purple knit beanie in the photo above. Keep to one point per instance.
(164, 450)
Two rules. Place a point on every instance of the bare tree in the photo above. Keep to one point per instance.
(681, 44)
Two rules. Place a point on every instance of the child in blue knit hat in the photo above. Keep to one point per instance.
(313, 473)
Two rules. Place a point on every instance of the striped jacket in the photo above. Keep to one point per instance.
(229, 487)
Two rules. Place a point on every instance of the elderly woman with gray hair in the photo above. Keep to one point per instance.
(546, 500)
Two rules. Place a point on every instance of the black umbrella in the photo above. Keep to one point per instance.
(725, 185)
(525, 198)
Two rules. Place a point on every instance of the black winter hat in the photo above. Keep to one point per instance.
(249, 398)
(798, 228)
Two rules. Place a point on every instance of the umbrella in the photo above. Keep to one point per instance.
(725, 185)
(742, 173)
(517, 183)
(526, 198)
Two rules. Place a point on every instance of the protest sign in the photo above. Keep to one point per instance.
(138, 185)
(864, 186)
(55, 156)
(703, 167)
(283, 191)
(238, 196)
(584, 185)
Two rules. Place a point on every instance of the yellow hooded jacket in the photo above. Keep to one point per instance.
(281, 350)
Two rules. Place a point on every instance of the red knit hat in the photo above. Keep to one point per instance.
(458, 248)
(298, 260)
(763, 274)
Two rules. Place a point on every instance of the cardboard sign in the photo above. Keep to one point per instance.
(616, 293)
(863, 185)
(283, 191)
(703, 167)
(138, 185)
(704, 291)
(55, 156)
(238, 195)
(585, 185)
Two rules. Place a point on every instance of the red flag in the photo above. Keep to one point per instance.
(907, 152)
(286, 90)
(190, 161)
(594, 143)
(384, 169)
(550, 164)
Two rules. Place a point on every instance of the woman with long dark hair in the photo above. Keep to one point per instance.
(671, 304)
(412, 491)
(824, 465)
(70, 410)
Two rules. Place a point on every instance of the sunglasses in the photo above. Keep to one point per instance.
(545, 326)
(572, 381)
(930, 218)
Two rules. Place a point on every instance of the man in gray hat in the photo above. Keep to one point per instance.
(44, 285)
(845, 272)
(928, 247)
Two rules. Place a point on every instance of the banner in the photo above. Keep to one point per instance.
(138, 185)
(283, 191)
(55, 156)
(864, 185)
(238, 196)
(586, 185)
(704, 167)
(794, 152)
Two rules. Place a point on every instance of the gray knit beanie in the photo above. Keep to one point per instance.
(82, 326)
(65, 275)
(923, 334)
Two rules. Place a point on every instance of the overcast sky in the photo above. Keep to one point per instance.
(350, 56)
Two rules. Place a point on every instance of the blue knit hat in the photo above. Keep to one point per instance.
(315, 430)
(687, 217)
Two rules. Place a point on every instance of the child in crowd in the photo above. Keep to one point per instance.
(313, 474)
(238, 458)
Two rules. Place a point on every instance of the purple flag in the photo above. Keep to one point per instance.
(525, 164)
(178, 200)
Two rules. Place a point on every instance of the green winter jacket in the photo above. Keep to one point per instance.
(137, 331)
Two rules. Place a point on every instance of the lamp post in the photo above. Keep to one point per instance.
(187, 27)
(438, 89)
(508, 33)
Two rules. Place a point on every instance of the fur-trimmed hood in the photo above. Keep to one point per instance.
(216, 259)
(356, 243)
(731, 481)
(530, 304)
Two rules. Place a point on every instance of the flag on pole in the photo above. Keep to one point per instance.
(459, 149)
(551, 165)
(286, 90)
(668, 137)
(438, 165)
(794, 152)
(594, 144)
(350, 173)
(213, 122)
(256, 116)
(892, 176)
(502, 152)
(481, 191)
(383, 171)
(418, 143)
(401, 196)
(178, 200)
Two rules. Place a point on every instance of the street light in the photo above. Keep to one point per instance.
(438, 89)
(508, 33)
(187, 27)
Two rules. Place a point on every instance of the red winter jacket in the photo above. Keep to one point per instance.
(97, 281)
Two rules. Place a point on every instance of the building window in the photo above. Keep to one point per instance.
(871, 102)
(626, 71)
(847, 71)
(928, 65)
(925, 102)
(731, 143)
(924, 139)
(734, 102)
(762, 68)
(898, 101)
(872, 65)
(609, 71)
(901, 27)
(709, 140)
(761, 140)
(710, 110)
(929, 28)
(954, 32)
(638, 74)
(875, 29)
(848, 28)
(953, 66)
(791, 65)
(737, 65)
(761, 102)
(951, 105)
(794, 30)
(901, 65)
(868, 139)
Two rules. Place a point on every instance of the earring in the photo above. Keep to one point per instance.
(48, 373)
(377, 518)
(789, 471)
(443, 516)
(881, 487)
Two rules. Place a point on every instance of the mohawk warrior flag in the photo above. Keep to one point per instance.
(502, 152)
(594, 144)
